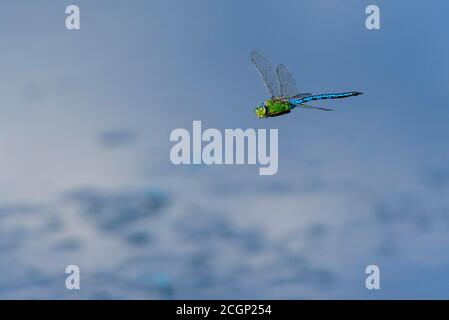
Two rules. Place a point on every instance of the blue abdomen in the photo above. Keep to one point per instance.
(324, 96)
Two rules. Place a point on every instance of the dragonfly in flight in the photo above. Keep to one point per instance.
(284, 95)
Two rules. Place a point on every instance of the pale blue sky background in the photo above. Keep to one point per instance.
(85, 176)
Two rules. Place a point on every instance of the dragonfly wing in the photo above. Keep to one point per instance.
(267, 72)
(301, 95)
(305, 106)
(287, 82)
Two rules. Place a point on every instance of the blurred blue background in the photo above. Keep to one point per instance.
(85, 175)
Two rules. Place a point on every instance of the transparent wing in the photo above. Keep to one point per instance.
(287, 82)
(267, 72)
(305, 106)
(301, 95)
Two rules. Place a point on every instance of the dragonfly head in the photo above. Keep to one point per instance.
(260, 111)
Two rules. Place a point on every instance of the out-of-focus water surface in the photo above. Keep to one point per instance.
(85, 176)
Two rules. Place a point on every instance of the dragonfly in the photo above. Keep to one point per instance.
(285, 96)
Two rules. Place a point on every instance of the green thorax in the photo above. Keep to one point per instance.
(276, 107)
